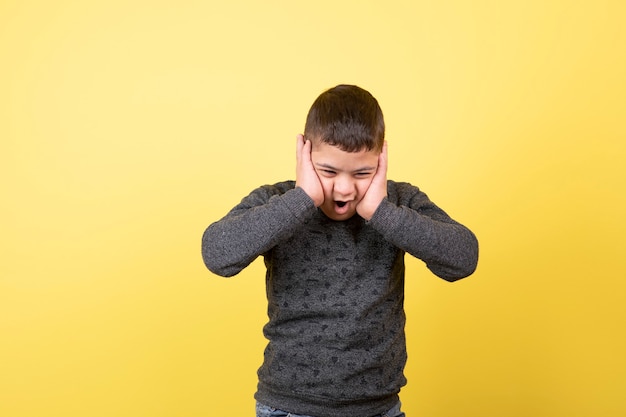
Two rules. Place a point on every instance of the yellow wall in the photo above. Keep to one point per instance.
(128, 126)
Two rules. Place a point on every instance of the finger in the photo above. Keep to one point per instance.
(299, 146)
(306, 151)
(383, 158)
(381, 171)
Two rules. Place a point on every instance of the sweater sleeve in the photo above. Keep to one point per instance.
(262, 219)
(413, 223)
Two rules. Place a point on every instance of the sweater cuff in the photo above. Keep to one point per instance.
(299, 203)
(383, 218)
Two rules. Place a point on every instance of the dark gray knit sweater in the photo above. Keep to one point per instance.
(335, 291)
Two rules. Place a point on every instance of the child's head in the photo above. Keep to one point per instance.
(348, 117)
(347, 132)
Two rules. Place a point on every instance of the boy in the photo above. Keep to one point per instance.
(334, 243)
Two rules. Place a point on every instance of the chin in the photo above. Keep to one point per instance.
(339, 217)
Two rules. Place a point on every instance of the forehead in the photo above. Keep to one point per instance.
(325, 154)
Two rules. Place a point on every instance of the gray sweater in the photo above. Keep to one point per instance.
(335, 291)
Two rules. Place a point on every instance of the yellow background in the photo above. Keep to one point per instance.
(128, 126)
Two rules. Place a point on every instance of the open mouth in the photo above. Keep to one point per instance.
(342, 208)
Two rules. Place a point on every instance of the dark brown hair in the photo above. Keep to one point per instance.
(348, 117)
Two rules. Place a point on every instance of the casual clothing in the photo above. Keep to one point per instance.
(335, 291)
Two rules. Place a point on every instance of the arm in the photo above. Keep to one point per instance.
(408, 219)
(417, 226)
(264, 218)
(253, 227)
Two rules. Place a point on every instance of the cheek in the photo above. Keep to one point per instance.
(362, 187)
(327, 185)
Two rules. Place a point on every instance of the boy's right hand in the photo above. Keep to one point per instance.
(306, 176)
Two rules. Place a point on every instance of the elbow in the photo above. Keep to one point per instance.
(214, 260)
(456, 273)
(217, 268)
(222, 269)
(453, 273)
(224, 273)
(463, 264)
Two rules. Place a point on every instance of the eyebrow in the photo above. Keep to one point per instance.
(362, 169)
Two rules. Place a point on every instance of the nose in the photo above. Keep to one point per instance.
(344, 187)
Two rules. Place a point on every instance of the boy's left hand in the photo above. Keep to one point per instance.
(377, 190)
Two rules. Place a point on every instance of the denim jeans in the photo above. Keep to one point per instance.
(263, 410)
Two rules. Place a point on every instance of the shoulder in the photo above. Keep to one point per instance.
(402, 193)
(409, 195)
(280, 187)
(274, 189)
(263, 193)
